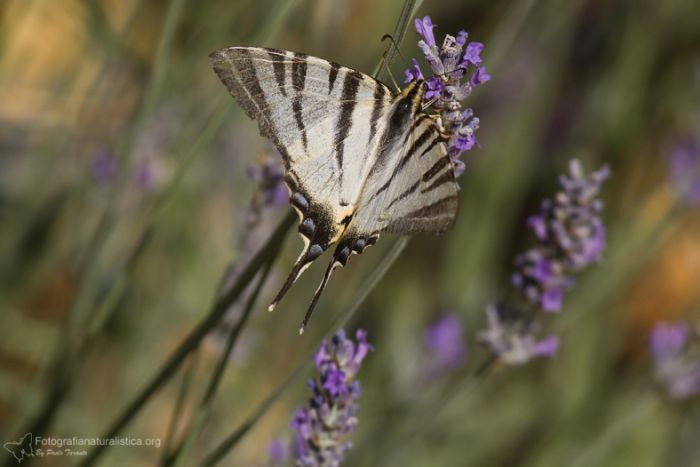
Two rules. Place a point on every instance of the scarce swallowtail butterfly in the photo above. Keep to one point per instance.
(359, 159)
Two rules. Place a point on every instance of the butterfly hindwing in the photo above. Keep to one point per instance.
(419, 193)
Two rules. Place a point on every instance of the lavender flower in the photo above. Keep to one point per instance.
(684, 171)
(571, 236)
(445, 344)
(457, 69)
(104, 167)
(508, 338)
(269, 175)
(676, 357)
(331, 412)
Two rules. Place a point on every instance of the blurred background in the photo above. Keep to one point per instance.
(125, 194)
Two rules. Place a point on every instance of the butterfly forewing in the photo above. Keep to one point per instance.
(323, 118)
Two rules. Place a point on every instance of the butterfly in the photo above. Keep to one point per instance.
(360, 159)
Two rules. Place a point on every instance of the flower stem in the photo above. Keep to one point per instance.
(407, 12)
(266, 254)
(195, 426)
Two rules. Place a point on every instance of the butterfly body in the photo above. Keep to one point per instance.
(360, 160)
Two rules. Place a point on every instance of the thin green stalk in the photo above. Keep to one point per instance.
(267, 253)
(464, 384)
(609, 438)
(178, 407)
(195, 427)
(217, 454)
(410, 7)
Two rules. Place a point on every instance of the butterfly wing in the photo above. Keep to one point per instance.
(325, 120)
(410, 188)
(416, 192)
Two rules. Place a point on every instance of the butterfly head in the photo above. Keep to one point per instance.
(412, 95)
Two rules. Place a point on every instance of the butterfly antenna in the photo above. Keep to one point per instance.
(309, 254)
(386, 62)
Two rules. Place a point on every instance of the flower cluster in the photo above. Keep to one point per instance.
(445, 344)
(331, 412)
(270, 191)
(571, 236)
(684, 171)
(456, 67)
(511, 339)
(269, 175)
(676, 357)
(147, 175)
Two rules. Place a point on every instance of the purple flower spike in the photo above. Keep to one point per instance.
(510, 341)
(445, 344)
(321, 426)
(451, 64)
(571, 236)
(269, 175)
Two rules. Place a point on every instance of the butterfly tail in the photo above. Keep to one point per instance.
(340, 258)
(310, 253)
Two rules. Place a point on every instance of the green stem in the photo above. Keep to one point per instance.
(609, 438)
(195, 427)
(179, 406)
(267, 253)
(381, 71)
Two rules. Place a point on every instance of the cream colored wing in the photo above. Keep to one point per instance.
(325, 119)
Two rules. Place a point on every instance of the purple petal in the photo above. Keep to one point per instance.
(425, 30)
(462, 37)
(546, 347)
(667, 339)
(480, 76)
(538, 225)
(414, 73)
(551, 299)
(473, 53)
(445, 342)
(278, 450)
(542, 271)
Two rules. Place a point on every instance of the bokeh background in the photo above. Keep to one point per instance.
(125, 195)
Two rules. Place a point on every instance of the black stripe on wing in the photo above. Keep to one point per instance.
(342, 128)
(242, 82)
(298, 81)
